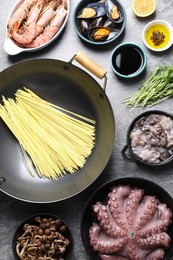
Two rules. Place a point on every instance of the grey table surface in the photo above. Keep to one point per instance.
(13, 211)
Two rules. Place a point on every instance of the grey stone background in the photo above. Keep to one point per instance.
(13, 211)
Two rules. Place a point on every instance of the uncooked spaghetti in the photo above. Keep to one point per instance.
(54, 141)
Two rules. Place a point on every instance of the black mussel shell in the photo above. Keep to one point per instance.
(113, 12)
(100, 33)
(83, 26)
(96, 22)
(93, 10)
(108, 23)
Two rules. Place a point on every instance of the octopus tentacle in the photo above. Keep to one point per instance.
(159, 222)
(106, 220)
(146, 211)
(117, 198)
(113, 257)
(155, 255)
(132, 206)
(104, 244)
(161, 240)
(164, 214)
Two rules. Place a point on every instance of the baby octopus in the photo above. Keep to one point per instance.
(130, 225)
(152, 138)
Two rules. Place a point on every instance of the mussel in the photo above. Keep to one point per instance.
(113, 12)
(110, 24)
(96, 22)
(83, 26)
(93, 10)
(100, 33)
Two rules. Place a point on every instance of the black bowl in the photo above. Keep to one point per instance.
(31, 221)
(150, 188)
(120, 26)
(127, 152)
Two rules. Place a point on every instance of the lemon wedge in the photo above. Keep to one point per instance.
(143, 8)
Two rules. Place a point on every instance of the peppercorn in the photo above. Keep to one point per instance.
(157, 37)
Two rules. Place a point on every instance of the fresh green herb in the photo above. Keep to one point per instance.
(158, 87)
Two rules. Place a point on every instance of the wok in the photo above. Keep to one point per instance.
(72, 88)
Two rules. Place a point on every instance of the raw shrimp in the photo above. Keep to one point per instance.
(37, 20)
(35, 12)
(21, 13)
(28, 31)
(50, 30)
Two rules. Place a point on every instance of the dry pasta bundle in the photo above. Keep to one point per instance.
(53, 140)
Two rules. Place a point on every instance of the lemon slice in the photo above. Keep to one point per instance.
(143, 8)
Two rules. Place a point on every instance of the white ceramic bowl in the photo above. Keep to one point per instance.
(12, 48)
(155, 25)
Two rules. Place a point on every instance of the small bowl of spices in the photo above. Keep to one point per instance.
(158, 35)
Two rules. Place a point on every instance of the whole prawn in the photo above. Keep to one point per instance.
(50, 30)
(30, 29)
(38, 18)
(20, 14)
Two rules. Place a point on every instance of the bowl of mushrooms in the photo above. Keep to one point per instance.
(42, 236)
(150, 139)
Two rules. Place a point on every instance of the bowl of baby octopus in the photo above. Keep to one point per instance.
(34, 24)
(149, 139)
(128, 219)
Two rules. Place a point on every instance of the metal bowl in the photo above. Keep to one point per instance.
(149, 187)
(119, 26)
(31, 221)
(127, 152)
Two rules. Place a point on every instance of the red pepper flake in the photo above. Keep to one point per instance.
(157, 37)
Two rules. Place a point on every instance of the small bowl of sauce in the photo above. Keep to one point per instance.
(158, 35)
(128, 60)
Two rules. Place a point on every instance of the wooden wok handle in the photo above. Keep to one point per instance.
(90, 65)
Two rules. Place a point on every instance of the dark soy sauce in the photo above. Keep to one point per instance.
(127, 60)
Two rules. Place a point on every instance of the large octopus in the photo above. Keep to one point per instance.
(130, 225)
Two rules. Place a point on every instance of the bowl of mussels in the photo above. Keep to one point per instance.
(99, 22)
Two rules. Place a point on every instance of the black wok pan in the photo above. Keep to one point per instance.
(68, 86)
